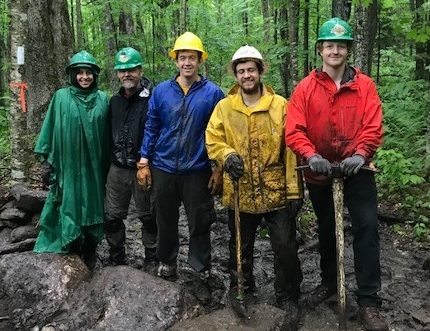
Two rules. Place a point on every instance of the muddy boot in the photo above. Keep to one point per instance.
(318, 295)
(150, 255)
(166, 271)
(88, 252)
(115, 236)
(371, 319)
(291, 317)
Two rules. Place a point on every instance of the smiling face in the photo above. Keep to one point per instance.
(130, 78)
(248, 77)
(188, 63)
(334, 54)
(85, 77)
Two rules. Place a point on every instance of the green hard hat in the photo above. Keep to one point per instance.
(83, 59)
(335, 29)
(127, 58)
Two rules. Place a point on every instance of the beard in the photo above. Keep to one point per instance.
(129, 84)
(251, 90)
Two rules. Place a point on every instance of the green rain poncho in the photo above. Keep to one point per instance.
(74, 141)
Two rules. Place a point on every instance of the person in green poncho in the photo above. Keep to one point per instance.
(73, 143)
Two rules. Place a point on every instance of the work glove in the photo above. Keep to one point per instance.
(144, 175)
(320, 165)
(293, 208)
(351, 165)
(215, 182)
(234, 166)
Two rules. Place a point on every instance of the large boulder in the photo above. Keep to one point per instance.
(123, 298)
(34, 286)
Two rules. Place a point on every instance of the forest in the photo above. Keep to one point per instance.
(391, 44)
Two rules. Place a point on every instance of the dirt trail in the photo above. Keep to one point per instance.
(405, 284)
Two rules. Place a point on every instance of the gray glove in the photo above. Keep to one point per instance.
(320, 165)
(234, 166)
(351, 165)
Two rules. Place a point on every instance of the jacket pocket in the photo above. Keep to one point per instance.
(274, 178)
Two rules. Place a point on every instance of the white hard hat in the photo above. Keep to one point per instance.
(247, 52)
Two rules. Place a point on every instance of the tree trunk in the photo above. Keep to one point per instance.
(245, 19)
(306, 38)
(422, 49)
(4, 55)
(183, 15)
(265, 12)
(365, 32)
(43, 75)
(293, 28)
(111, 48)
(317, 24)
(80, 38)
(341, 8)
(283, 33)
(126, 26)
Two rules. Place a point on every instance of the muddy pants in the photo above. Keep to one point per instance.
(282, 230)
(120, 187)
(169, 191)
(360, 198)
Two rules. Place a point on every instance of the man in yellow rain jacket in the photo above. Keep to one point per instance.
(245, 135)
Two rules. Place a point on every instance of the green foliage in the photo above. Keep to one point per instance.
(403, 179)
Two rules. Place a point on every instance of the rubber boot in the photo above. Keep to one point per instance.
(115, 236)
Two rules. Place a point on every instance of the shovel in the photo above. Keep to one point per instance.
(238, 303)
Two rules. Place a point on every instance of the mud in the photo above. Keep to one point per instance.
(405, 283)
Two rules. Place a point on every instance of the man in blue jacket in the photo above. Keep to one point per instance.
(174, 161)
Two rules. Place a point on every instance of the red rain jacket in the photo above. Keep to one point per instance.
(334, 123)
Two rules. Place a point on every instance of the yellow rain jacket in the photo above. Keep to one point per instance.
(257, 135)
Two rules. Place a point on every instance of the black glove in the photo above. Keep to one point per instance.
(320, 165)
(293, 207)
(351, 165)
(234, 166)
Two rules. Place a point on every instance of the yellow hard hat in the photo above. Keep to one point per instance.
(188, 41)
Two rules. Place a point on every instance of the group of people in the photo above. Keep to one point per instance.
(184, 141)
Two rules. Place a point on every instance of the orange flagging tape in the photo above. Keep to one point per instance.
(22, 87)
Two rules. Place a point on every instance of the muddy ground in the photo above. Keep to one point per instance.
(405, 283)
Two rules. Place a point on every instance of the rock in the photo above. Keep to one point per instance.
(5, 195)
(22, 246)
(14, 214)
(35, 285)
(8, 224)
(263, 317)
(123, 298)
(23, 232)
(5, 236)
(27, 199)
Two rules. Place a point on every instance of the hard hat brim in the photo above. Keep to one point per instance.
(127, 66)
(172, 53)
(334, 38)
(95, 67)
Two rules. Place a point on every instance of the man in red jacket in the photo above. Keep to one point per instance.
(335, 117)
